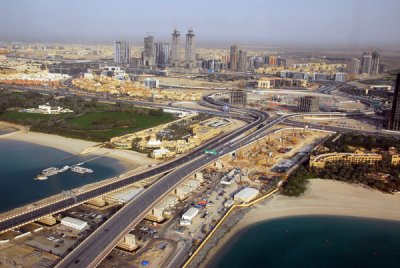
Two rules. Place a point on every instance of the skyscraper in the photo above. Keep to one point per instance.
(162, 54)
(375, 63)
(354, 67)
(189, 50)
(121, 52)
(242, 61)
(366, 63)
(149, 51)
(394, 118)
(272, 60)
(233, 60)
(175, 46)
(281, 62)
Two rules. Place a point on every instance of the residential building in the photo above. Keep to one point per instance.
(281, 62)
(233, 59)
(366, 63)
(395, 160)
(375, 63)
(272, 60)
(321, 160)
(394, 118)
(149, 51)
(162, 54)
(242, 61)
(354, 66)
(121, 52)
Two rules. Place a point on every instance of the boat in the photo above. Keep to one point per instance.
(81, 170)
(50, 171)
(41, 177)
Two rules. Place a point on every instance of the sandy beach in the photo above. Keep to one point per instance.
(129, 159)
(323, 197)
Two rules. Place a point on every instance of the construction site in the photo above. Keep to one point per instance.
(275, 154)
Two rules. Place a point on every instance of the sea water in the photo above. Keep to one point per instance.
(21, 162)
(314, 242)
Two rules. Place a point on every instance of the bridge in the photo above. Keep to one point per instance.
(98, 245)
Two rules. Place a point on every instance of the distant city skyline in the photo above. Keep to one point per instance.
(353, 23)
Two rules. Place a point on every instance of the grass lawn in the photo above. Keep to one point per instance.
(140, 122)
(86, 123)
(15, 116)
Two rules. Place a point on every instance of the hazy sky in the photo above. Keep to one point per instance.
(271, 22)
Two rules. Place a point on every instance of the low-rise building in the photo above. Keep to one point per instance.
(190, 214)
(395, 161)
(74, 223)
(47, 109)
(321, 160)
(246, 195)
(162, 153)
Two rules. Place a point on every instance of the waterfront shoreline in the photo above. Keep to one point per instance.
(128, 159)
(324, 198)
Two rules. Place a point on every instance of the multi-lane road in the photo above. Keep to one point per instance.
(22, 218)
(100, 243)
(96, 247)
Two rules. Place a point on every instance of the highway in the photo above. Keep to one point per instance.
(35, 213)
(99, 244)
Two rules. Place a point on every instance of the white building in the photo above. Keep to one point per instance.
(246, 195)
(340, 77)
(125, 195)
(190, 214)
(162, 153)
(47, 109)
(151, 83)
(74, 223)
(193, 184)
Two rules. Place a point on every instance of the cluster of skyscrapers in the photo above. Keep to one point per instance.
(368, 65)
(238, 60)
(159, 54)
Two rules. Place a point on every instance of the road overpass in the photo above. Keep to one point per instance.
(99, 244)
(16, 220)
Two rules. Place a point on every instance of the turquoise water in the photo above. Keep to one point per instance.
(20, 162)
(314, 242)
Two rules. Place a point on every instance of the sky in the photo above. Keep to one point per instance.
(352, 23)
